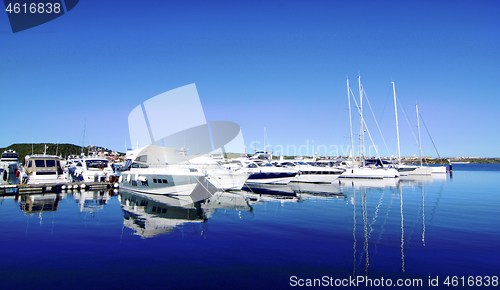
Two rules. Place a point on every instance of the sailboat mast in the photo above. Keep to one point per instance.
(419, 141)
(350, 124)
(361, 127)
(265, 141)
(397, 126)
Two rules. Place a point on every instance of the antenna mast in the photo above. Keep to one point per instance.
(83, 137)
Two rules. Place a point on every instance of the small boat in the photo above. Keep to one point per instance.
(10, 168)
(92, 169)
(310, 173)
(370, 173)
(40, 169)
(439, 169)
(263, 173)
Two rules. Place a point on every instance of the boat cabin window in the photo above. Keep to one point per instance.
(50, 163)
(79, 164)
(138, 165)
(40, 163)
(143, 158)
(99, 164)
(30, 164)
(252, 165)
(266, 165)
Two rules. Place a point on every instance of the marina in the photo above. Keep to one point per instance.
(398, 228)
(209, 145)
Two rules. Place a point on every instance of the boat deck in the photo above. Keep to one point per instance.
(15, 189)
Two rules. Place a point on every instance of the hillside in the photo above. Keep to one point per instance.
(63, 150)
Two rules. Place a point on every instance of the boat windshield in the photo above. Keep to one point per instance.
(99, 164)
(139, 165)
(266, 165)
(40, 163)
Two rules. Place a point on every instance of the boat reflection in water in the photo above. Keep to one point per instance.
(259, 193)
(152, 214)
(92, 200)
(368, 183)
(38, 203)
(89, 200)
(316, 190)
(292, 192)
(226, 200)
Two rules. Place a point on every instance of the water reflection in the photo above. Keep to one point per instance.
(149, 215)
(315, 190)
(374, 199)
(226, 201)
(260, 193)
(92, 200)
(292, 192)
(38, 203)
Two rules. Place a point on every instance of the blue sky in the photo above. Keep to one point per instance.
(281, 65)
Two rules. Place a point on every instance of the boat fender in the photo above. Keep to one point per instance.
(18, 173)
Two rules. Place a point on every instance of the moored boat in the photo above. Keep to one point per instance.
(310, 173)
(44, 169)
(10, 168)
(92, 169)
(263, 173)
(156, 170)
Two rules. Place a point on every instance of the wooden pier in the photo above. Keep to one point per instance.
(15, 189)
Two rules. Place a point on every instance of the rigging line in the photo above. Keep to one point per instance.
(368, 131)
(409, 125)
(373, 114)
(429, 135)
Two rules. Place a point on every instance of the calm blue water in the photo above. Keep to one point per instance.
(407, 229)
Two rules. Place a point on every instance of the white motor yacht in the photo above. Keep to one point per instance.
(222, 178)
(157, 170)
(92, 169)
(40, 169)
(263, 173)
(310, 173)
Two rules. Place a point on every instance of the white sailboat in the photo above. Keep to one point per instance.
(362, 171)
(406, 169)
(425, 170)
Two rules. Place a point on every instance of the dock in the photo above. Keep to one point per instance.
(15, 189)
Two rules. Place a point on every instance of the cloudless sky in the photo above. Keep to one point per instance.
(281, 65)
